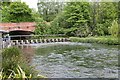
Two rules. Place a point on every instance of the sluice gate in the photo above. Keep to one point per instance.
(37, 41)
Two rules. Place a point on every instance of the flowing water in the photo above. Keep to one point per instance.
(74, 60)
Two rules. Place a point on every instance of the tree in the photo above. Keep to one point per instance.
(74, 18)
(107, 12)
(17, 12)
(49, 10)
(4, 10)
(6, 2)
(42, 26)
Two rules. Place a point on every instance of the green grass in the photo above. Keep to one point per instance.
(101, 39)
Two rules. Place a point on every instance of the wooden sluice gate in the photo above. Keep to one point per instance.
(37, 41)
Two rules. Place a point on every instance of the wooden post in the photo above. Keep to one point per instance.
(1, 41)
(27, 42)
(35, 41)
(17, 42)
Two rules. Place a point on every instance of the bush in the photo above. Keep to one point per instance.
(11, 58)
(114, 29)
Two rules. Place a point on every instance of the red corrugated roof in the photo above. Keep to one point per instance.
(22, 26)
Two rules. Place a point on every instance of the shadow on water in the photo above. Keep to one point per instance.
(74, 60)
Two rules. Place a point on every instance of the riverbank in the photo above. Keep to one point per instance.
(101, 39)
(15, 65)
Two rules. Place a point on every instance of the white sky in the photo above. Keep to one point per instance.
(31, 3)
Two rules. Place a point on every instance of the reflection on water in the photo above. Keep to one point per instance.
(28, 52)
(74, 60)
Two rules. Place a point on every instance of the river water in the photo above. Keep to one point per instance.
(73, 60)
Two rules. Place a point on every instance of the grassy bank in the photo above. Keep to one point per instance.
(101, 39)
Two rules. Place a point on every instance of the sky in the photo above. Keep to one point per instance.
(31, 3)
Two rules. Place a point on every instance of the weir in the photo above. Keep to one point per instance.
(35, 39)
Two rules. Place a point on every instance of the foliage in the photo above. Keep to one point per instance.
(4, 12)
(11, 58)
(49, 10)
(114, 29)
(74, 19)
(104, 13)
(19, 74)
(42, 26)
(103, 40)
(17, 12)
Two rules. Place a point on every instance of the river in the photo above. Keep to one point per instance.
(73, 60)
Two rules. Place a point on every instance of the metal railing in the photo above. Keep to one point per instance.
(19, 37)
(39, 35)
(30, 39)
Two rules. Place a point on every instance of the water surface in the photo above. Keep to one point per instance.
(74, 60)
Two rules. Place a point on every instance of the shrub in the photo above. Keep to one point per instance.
(11, 58)
(114, 29)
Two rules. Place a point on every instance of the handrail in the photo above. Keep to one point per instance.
(37, 35)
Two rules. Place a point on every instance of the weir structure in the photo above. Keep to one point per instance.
(33, 39)
(36, 39)
(23, 33)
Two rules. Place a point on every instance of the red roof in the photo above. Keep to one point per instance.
(22, 26)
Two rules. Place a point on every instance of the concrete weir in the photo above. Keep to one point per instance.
(36, 41)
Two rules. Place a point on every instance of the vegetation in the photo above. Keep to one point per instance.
(81, 21)
(84, 18)
(103, 40)
(14, 65)
(49, 10)
(114, 29)
(42, 27)
(16, 12)
(78, 19)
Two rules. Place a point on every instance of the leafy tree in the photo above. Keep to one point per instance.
(82, 18)
(4, 10)
(58, 24)
(49, 10)
(106, 13)
(17, 12)
(42, 27)
(74, 18)
(5, 14)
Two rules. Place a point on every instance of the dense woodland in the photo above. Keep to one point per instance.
(80, 19)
